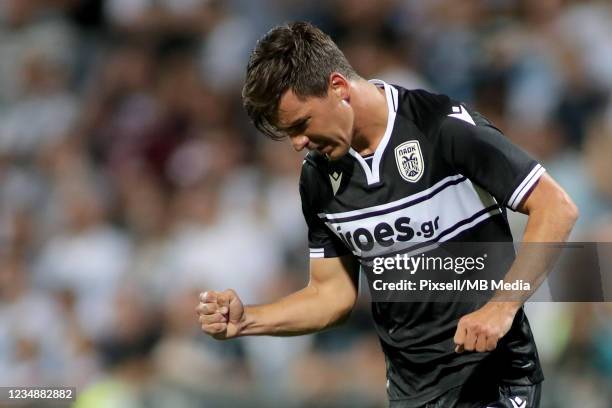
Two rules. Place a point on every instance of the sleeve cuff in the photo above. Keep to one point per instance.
(525, 186)
(317, 252)
(327, 252)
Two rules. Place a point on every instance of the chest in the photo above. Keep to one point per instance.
(409, 196)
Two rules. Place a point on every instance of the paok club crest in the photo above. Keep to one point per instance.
(409, 160)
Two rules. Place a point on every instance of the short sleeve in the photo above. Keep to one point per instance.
(322, 242)
(479, 151)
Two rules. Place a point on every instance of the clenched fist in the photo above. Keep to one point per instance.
(220, 313)
(481, 330)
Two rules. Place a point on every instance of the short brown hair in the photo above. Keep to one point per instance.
(296, 56)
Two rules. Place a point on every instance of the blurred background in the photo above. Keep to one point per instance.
(131, 180)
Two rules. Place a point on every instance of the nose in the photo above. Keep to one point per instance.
(300, 142)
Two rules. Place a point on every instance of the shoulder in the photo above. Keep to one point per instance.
(424, 108)
(428, 110)
(314, 163)
(314, 160)
(419, 102)
(313, 166)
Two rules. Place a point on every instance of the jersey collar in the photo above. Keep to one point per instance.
(373, 174)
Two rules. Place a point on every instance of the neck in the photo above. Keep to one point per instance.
(371, 113)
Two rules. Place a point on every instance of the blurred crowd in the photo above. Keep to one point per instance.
(131, 180)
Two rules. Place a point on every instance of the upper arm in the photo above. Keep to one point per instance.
(546, 194)
(334, 271)
(322, 242)
(336, 278)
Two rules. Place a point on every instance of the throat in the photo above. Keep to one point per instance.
(366, 143)
(370, 130)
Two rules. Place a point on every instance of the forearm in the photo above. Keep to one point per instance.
(546, 228)
(306, 311)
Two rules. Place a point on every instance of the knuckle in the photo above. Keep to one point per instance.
(220, 328)
(213, 328)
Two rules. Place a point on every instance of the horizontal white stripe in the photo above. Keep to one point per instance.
(317, 255)
(317, 250)
(528, 187)
(401, 201)
(527, 180)
(523, 182)
(445, 210)
(470, 224)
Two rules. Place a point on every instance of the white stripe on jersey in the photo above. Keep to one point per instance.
(365, 211)
(438, 218)
(317, 252)
(528, 182)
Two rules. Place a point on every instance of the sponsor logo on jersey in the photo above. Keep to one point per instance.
(409, 160)
(420, 218)
(384, 234)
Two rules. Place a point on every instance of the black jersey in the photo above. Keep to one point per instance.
(441, 164)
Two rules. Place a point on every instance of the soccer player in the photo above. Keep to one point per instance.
(383, 160)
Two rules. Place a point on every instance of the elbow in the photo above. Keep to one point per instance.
(341, 314)
(564, 214)
(574, 213)
(550, 204)
(344, 314)
(330, 307)
(569, 211)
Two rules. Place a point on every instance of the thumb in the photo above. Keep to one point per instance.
(235, 306)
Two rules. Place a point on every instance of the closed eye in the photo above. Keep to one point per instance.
(297, 127)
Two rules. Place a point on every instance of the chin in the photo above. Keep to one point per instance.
(337, 153)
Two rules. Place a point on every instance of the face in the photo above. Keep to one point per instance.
(323, 124)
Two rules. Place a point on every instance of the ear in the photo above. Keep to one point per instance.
(339, 86)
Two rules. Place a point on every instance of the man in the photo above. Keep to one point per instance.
(380, 152)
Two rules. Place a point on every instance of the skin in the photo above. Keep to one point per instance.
(334, 123)
(552, 214)
(354, 114)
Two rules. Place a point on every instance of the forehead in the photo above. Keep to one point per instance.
(292, 107)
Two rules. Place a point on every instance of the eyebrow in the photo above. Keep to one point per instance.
(295, 124)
